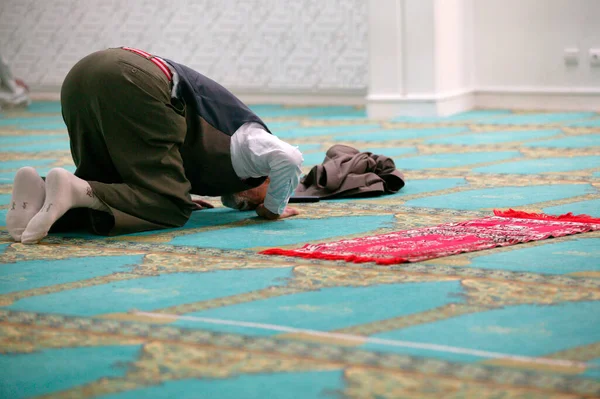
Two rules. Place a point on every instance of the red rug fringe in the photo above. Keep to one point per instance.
(320, 255)
(567, 217)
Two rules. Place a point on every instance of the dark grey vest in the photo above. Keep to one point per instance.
(212, 114)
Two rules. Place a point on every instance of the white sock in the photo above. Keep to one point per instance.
(64, 191)
(28, 196)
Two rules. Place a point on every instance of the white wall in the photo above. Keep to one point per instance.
(454, 45)
(419, 43)
(386, 66)
(258, 45)
(519, 44)
(424, 68)
(426, 49)
(401, 46)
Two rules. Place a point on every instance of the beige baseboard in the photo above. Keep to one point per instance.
(543, 99)
(381, 107)
(424, 105)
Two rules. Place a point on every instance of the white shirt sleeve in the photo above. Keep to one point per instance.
(256, 153)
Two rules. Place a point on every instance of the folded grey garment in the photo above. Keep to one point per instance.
(347, 172)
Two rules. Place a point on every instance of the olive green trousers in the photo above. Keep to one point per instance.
(125, 134)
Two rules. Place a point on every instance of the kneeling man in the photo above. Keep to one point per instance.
(145, 134)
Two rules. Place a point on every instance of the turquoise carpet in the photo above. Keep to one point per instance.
(195, 312)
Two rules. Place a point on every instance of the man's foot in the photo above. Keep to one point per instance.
(28, 196)
(64, 191)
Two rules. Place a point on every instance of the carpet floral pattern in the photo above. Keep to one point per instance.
(197, 312)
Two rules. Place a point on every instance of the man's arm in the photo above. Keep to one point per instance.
(284, 164)
(256, 153)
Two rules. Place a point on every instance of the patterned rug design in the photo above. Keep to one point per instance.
(505, 228)
(197, 312)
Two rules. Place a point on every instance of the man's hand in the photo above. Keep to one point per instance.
(200, 204)
(267, 214)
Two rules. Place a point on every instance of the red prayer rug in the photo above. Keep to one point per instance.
(505, 228)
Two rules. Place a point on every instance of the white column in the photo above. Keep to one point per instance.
(419, 57)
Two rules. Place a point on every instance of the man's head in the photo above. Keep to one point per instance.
(246, 200)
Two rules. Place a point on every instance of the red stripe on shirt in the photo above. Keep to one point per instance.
(162, 66)
(140, 52)
(157, 61)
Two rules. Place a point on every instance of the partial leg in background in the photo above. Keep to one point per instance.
(13, 92)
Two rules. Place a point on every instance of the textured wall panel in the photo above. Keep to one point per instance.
(261, 45)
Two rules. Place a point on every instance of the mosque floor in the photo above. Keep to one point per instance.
(196, 312)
